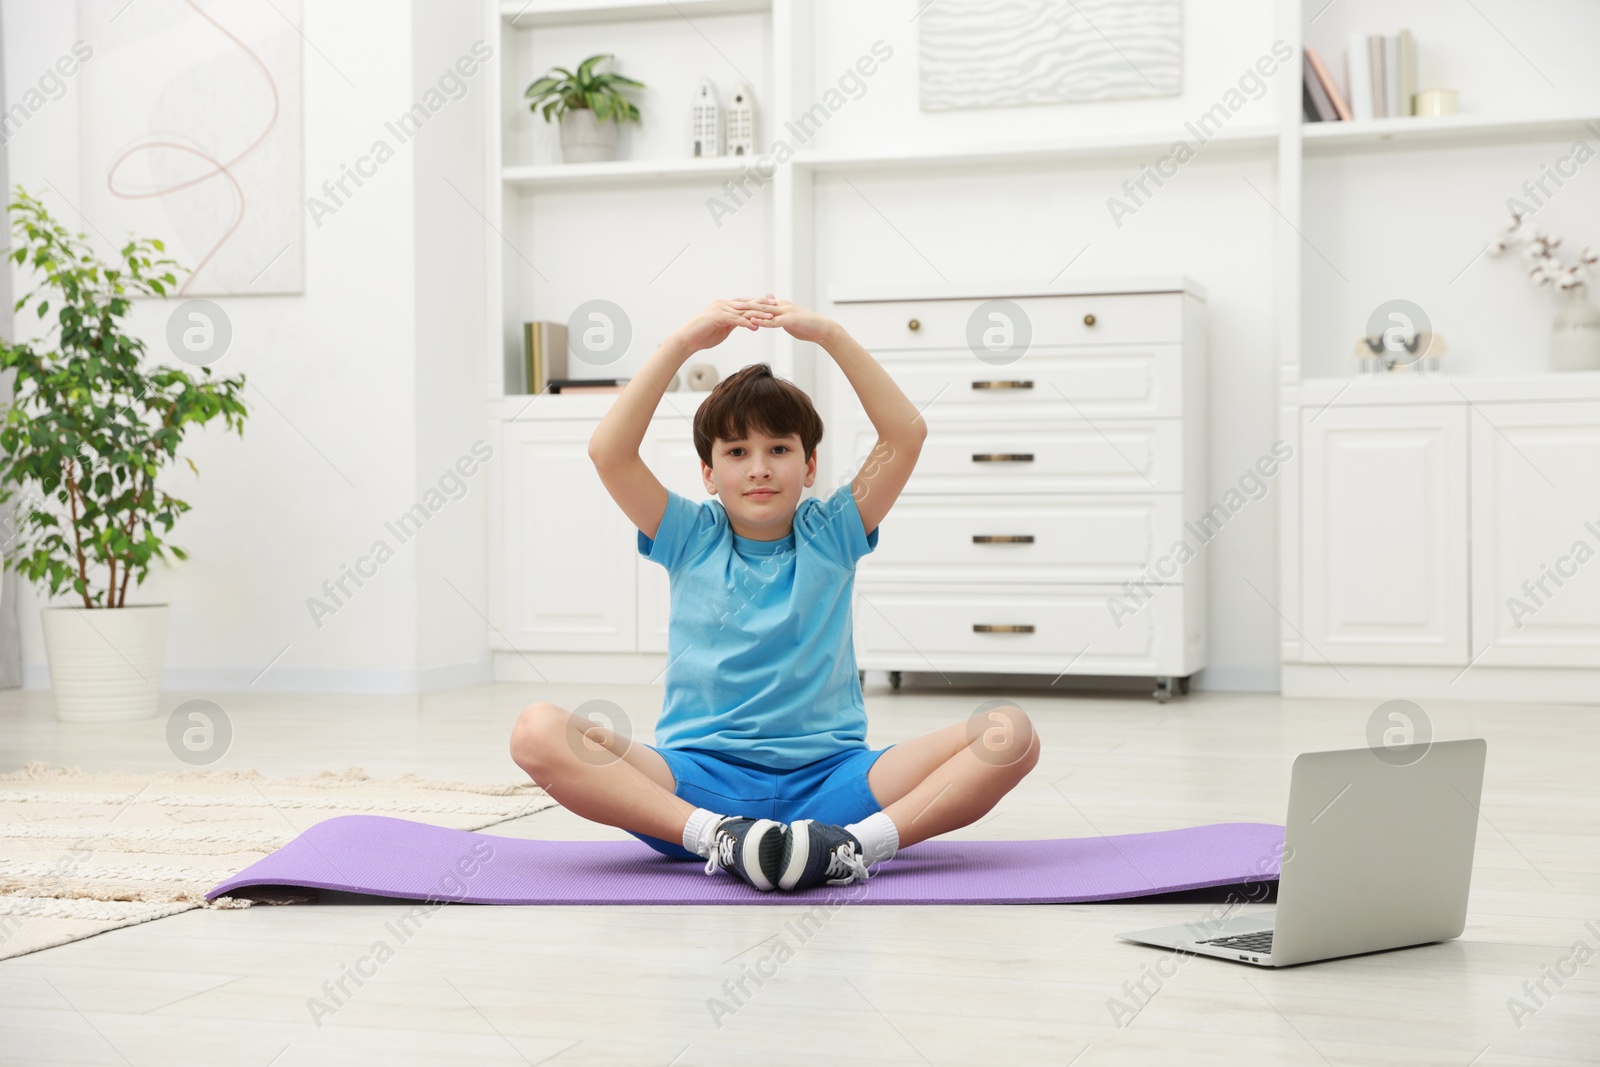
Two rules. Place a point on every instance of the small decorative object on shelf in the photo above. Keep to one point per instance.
(1394, 350)
(1399, 337)
(742, 122)
(1575, 334)
(701, 377)
(589, 105)
(705, 121)
(1435, 102)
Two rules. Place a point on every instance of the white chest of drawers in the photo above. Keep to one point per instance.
(1049, 526)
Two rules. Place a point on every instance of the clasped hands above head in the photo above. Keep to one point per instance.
(721, 317)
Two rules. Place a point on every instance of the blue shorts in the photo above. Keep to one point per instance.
(831, 790)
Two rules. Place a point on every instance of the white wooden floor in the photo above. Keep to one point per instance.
(875, 984)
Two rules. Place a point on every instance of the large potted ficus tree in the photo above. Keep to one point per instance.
(589, 106)
(84, 437)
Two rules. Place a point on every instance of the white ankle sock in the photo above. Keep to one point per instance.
(699, 831)
(879, 837)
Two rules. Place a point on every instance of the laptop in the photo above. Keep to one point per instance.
(1377, 855)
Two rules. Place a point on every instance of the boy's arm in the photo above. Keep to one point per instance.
(901, 429)
(614, 446)
(622, 431)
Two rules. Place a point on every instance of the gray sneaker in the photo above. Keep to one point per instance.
(751, 848)
(818, 852)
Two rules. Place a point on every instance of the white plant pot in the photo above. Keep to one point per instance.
(583, 140)
(105, 664)
(1575, 333)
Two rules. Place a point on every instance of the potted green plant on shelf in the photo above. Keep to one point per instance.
(82, 442)
(589, 105)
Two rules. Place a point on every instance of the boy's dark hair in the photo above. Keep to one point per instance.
(753, 399)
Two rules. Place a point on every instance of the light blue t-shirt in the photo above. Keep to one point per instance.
(761, 660)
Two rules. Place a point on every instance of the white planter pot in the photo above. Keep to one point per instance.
(1575, 334)
(105, 664)
(583, 140)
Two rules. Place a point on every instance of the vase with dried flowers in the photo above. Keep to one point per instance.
(1575, 333)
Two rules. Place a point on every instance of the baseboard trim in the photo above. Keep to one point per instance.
(1532, 685)
(1239, 679)
(305, 679)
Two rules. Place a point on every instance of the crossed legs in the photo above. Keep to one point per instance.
(928, 786)
(594, 772)
(952, 777)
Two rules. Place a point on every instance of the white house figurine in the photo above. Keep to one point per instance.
(705, 124)
(742, 122)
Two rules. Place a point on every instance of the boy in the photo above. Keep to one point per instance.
(762, 766)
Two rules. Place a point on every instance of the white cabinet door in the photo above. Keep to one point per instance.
(1384, 540)
(567, 547)
(1536, 534)
(668, 450)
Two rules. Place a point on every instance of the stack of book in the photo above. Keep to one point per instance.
(542, 362)
(543, 356)
(1380, 80)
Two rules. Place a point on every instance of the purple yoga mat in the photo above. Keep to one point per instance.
(414, 861)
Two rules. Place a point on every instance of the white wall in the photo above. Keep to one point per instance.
(449, 305)
(374, 375)
(362, 390)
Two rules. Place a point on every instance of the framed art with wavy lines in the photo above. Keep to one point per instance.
(190, 131)
(1010, 53)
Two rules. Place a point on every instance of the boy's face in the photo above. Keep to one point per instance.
(759, 462)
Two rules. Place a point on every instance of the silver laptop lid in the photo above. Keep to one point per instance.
(1377, 849)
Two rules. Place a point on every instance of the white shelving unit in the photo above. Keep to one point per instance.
(786, 31)
(1339, 421)
(533, 196)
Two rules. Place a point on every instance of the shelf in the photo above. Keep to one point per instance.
(528, 14)
(625, 172)
(1084, 148)
(1327, 137)
(637, 171)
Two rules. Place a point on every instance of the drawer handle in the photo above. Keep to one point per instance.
(1002, 539)
(914, 324)
(1088, 320)
(1001, 384)
(1002, 457)
(992, 628)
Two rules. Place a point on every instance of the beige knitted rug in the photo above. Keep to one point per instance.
(84, 853)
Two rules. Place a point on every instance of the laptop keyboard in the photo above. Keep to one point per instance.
(1261, 942)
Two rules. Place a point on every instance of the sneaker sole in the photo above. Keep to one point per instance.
(753, 842)
(799, 854)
